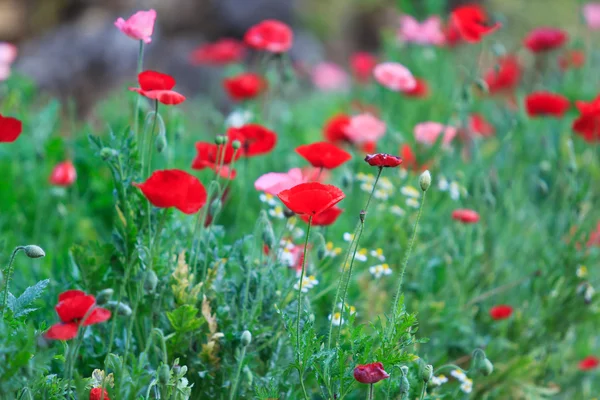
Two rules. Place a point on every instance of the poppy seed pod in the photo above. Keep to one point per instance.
(246, 338)
(487, 367)
(33, 251)
(236, 144)
(427, 373)
(120, 308)
(220, 139)
(164, 374)
(425, 180)
(104, 296)
(150, 281)
(160, 142)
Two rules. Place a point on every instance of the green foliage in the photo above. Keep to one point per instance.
(21, 306)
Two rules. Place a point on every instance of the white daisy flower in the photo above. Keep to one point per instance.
(336, 319)
(458, 374)
(378, 253)
(361, 255)
(467, 385)
(582, 271)
(410, 191)
(443, 184)
(238, 118)
(331, 251)
(414, 203)
(454, 190)
(268, 198)
(381, 194)
(367, 187)
(380, 270)
(277, 212)
(348, 237)
(397, 210)
(438, 380)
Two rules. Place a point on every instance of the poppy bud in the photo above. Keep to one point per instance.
(482, 85)
(164, 374)
(320, 245)
(542, 187)
(268, 234)
(177, 369)
(425, 180)
(288, 213)
(33, 251)
(404, 370)
(427, 373)
(215, 207)
(362, 216)
(107, 153)
(246, 338)
(487, 367)
(236, 144)
(104, 296)
(150, 281)
(220, 139)
(498, 49)
(404, 386)
(120, 308)
(183, 370)
(160, 143)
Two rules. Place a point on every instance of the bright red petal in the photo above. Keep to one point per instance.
(69, 294)
(62, 331)
(311, 198)
(97, 316)
(74, 308)
(152, 80)
(10, 129)
(323, 155)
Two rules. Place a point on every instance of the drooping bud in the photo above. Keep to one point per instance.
(164, 374)
(161, 143)
(246, 338)
(215, 206)
(425, 180)
(427, 373)
(320, 245)
(487, 367)
(236, 144)
(404, 386)
(482, 85)
(120, 308)
(150, 281)
(33, 251)
(104, 296)
(267, 234)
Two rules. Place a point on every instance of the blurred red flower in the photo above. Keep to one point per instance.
(216, 157)
(472, 23)
(335, 128)
(465, 216)
(63, 174)
(589, 363)
(587, 125)
(174, 188)
(504, 77)
(326, 218)
(571, 59)
(362, 64)
(479, 125)
(73, 306)
(222, 52)
(311, 198)
(244, 86)
(452, 34)
(99, 394)
(255, 139)
(370, 373)
(594, 239)
(270, 35)
(545, 39)
(501, 311)
(323, 155)
(409, 159)
(10, 129)
(546, 103)
(421, 90)
(383, 160)
(158, 86)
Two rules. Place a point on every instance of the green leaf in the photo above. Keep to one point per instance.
(184, 319)
(20, 306)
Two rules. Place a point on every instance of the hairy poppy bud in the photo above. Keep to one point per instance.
(33, 251)
(150, 281)
(104, 296)
(427, 373)
(321, 246)
(120, 308)
(487, 367)
(246, 338)
(404, 370)
(215, 206)
(164, 374)
(161, 143)
(425, 180)
(236, 144)
(220, 139)
(268, 234)
(404, 386)
(183, 370)
(107, 153)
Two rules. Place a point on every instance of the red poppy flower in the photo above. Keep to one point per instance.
(588, 363)
(362, 64)
(571, 59)
(421, 90)
(72, 307)
(545, 39)
(158, 86)
(63, 174)
(99, 394)
(326, 218)
(479, 126)
(465, 216)
(311, 198)
(505, 76)
(270, 35)
(174, 188)
(10, 129)
(335, 128)
(409, 159)
(472, 23)
(594, 239)
(244, 86)
(452, 34)
(323, 155)
(588, 123)
(370, 373)
(216, 157)
(502, 311)
(222, 52)
(255, 139)
(546, 103)
(383, 160)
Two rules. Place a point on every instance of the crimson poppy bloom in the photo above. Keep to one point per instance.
(421, 90)
(500, 312)
(98, 393)
(222, 52)
(465, 216)
(546, 103)
(10, 129)
(63, 174)
(587, 125)
(370, 373)
(505, 76)
(311, 198)
(479, 126)
(73, 306)
(326, 218)
(362, 64)
(472, 23)
(244, 86)
(453, 36)
(174, 188)
(589, 363)
(255, 139)
(323, 155)
(158, 86)
(383, 160)
(335, 128)
(571, 59)
(216, 157)
(409, 159)
(545, 39)
(270, 35)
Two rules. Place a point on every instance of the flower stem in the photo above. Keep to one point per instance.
(300, 290)
(405, 263)
(233, 392)
(422, 396)
(136, 122)
(9, 272)
(371, 391)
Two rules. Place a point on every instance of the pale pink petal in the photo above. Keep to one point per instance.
(591, 14)
(365, 128)
(428, 32)
(275, 182)
(139, 26)
(8, 53)
(330, 77)
(4, 72)
(428, 133)
(394, 76)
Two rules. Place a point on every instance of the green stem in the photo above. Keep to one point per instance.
(9, 272)
(371, 391)
(300, 291)
(237, 374)
(303, 386)
(136, 122)
(422, 397)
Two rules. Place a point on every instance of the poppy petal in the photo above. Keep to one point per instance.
(74, 308)
(10, 129)
(97, 316)
(62, 331)
(153, 80)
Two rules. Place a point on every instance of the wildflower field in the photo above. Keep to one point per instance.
(420, 223)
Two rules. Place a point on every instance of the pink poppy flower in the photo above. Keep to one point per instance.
(428, 32)
(428, 133)
(8, 53)
(275, 182)
(365, 128)
(394, 76)
(330, 77)
(591, 14)
(139, 26)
